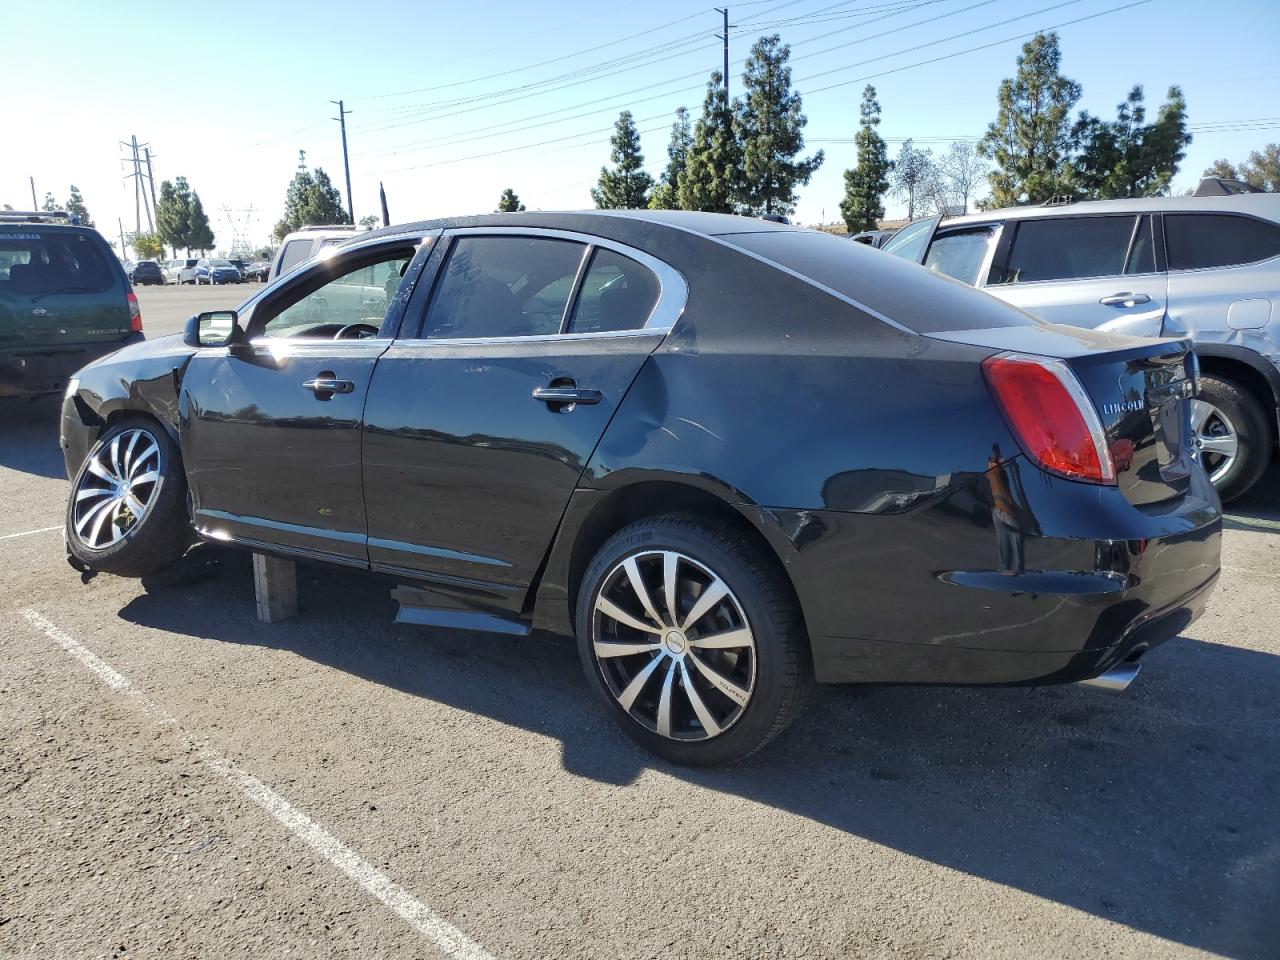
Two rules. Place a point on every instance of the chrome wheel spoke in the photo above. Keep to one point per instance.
(642, 592)
(695, 700)
(1223, 446)
(151, 476)
(134, 506)
(116, 468)
(721, 682)
(615, 612)
(88, 492)
(92, 513)
(607, 649)
(670, 570)
(128, 453)
(628, 696)
(100, 471)
(1200, 411)
(728, 640)
(111, 506)
(116, 488)
(713, 594)
(143, 457)
(664, 701)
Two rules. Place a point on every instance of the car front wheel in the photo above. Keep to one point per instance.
(692, 640)
(127, 511)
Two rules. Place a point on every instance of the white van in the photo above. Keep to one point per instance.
(182, 270)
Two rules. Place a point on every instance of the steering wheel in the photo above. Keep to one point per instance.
(364, 331)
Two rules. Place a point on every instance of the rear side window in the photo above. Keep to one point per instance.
(961, 253)
(1197, 240)
(295, 251)
(36, 262)
(503, 287)
(1069, 248)
(617, 294)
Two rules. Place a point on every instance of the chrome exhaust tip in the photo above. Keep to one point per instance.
(1117, 679)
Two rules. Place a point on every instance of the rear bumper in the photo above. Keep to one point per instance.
(36, 373)
(949, 594)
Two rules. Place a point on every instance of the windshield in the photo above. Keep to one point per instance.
(40, 262)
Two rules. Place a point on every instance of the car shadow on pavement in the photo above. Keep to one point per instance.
(1259, 509)
(29, 436)
(1154, 809)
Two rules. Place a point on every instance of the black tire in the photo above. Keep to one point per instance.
(163, 533)
(783, 673)
(1253, 435)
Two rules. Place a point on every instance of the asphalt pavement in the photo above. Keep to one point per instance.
(166, 308)
(180, 780)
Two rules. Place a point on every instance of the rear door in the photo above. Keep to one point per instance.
(483, 415)
(1100, 271)
(271, 427)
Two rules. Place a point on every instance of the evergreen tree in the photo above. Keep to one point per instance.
(626, 186)
(1128, 157)
(713, 167)
(173, 213)
(1222, 168)
(1261, 169)
(200, 236)
(76, 207)
(666, 195)
(913, 170)
(50, 204)
(509, 202)
(770, 125)
(310, 199)
(1031, 136)
(865, 185)
(148, 246)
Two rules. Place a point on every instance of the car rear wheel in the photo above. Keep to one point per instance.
(1231, 433)
(692, 640)
(127, 510)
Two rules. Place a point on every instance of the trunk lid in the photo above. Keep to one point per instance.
(1139, 387)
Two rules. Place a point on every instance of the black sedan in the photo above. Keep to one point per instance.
(731, 457)
(146, 272)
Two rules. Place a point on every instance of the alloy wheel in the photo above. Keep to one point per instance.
(673, 645)
(116, 488)
(1215, 437)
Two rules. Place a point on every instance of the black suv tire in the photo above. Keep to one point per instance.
(1253, 434)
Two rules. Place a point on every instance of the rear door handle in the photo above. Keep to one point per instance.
(325, 387)
(1124, 300)
(566, 395)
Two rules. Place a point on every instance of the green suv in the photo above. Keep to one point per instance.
(64, 300)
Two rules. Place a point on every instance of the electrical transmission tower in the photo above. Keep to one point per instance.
(240, 219)
(144, 187)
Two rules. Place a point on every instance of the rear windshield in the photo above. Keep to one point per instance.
(36, 262)
(918, 299)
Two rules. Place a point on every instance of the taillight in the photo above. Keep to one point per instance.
(135, 313)
(1051, 416)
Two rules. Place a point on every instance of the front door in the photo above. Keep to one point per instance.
(479, 424)
(271, 426)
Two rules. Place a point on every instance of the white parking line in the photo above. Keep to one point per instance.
(27, 533)
(449, 939)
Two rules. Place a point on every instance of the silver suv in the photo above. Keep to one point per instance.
(1207, 268)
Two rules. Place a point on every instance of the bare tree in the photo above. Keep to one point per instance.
(965, 170)
(911, 171)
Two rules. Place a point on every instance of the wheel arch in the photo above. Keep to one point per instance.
(1244, 368)
(596, 515)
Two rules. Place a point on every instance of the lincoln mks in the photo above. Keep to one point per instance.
(730, 457)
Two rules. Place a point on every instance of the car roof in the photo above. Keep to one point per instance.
(608, 223)
(1258, 204)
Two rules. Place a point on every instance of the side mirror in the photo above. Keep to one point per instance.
(217, 328)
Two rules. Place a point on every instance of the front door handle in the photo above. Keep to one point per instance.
(566, 396)
(326, 385)
(1124, 300)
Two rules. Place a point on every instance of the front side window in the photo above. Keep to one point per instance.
(961, 253)
(908, 243)
(355, 302)
(617, 294)
(295, 251)
(1198, 240)
(503, 287)
(1069, 248)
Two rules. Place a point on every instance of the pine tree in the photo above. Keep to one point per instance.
(310, 199)
(770, 125)
(865, 185)
(50, 204)
(1031, 137)
(666, 195)
(510, 202)
(173, 213)
(1128, 157)
(713, 167)
(1262, 169)
(626, 186)
(200, 236)
(76, 207)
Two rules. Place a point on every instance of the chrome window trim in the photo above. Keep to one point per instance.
(673, 291)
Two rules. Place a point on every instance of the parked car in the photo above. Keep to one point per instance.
(1206, 268)
(213, 271)
(239, 264)
(146, 272)
(306, 243)
(181, 271)
(64, 301)
(729, 456)
(257, 271)
(873, 238)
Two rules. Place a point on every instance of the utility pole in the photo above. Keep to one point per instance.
(346, 166)
(139, 194)
(35, 204)
(150, 178)
(724, 12)
(120, 227)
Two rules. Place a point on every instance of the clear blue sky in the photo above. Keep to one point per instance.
(227, 95)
